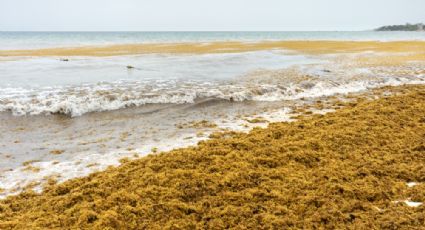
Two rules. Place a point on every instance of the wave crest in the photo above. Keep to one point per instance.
(78, 100)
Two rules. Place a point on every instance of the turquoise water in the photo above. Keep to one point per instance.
(31, 40)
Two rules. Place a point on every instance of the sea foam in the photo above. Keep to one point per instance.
(76, 101)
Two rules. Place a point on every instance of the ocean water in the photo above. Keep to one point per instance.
(46, 85)
(35, 40)
(89, 84)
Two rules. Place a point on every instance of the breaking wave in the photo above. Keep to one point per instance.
(78, 100)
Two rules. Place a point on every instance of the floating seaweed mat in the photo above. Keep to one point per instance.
(347, 169)
(309, 47)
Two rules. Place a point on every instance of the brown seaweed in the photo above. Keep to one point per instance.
(343, 170)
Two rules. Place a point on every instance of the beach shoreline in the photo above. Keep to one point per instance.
(359, 155)
(173, 128)
(54, 131)
(212, 115)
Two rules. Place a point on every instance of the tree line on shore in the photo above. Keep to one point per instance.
(406, 27)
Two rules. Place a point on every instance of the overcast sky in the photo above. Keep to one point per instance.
(206, 15)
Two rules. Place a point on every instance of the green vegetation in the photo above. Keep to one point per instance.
(406, 27)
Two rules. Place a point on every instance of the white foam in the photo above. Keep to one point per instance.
(46, 85)
(409, 203)
(411, 184)
(76, 101)
(412, 203)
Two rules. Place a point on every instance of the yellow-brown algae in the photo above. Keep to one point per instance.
(57, 151)
(417, 48)
(26, 163)
(342, 170)
(197, 125)
(31, 168)
(257, 120)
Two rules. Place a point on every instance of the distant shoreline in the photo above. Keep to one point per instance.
(419, 27)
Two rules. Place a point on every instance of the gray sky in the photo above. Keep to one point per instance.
(204, 15)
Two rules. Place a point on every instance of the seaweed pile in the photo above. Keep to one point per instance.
(347, 169)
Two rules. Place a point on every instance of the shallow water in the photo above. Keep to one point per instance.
(32, 86)
(88, 84)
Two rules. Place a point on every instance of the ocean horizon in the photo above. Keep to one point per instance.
(37, 40)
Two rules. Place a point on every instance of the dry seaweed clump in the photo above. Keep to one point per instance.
(344, 170)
